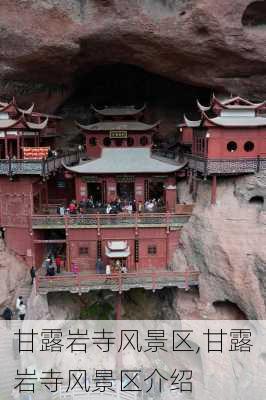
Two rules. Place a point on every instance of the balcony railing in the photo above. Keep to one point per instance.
(226, 166)
(109, 221)
(84, 282)
(42, 167)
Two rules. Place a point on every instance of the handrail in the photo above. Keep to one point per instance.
(241, 165)
(81, 279)
(98, 220)
(42, 167)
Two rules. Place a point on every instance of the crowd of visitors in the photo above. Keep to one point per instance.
(20, 311)
(89, 206)
(53, 264)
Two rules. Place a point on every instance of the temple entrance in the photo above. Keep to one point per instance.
(12, 147)
(126, 191)
(156, 190)
(2, 150)
(95, 190)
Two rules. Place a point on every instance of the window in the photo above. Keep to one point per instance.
(231, 146)
(152, 250)
(92, 141)
(107, 141)
(249, 146)
(130, 141)
(143, 141)
(83, 251)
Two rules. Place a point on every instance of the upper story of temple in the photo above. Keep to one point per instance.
(119, 127)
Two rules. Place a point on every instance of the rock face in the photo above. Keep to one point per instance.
(226, 243)
(13, 273)
(200, 42)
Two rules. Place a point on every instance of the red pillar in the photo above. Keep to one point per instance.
(170, 194)
(6, 147)
(214, 189)
(18, 147)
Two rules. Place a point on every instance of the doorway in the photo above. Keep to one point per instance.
(156, 190)
(95, 190)
(2, 150)
(126, 191)
(12, 147)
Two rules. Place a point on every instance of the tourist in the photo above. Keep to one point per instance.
(123, 269)
(61, 211)
(19, 299)
(58, 263)
(108, 208)
(129, 208)
(118, 204)
(140, 207)
(21, 310)
(32, 274)
(50, 268)
(108, 269)
(82, 205)
(117, 265)
(150, 206)
(72, 208)
(7, 314)
(134, 206)
(90, 203)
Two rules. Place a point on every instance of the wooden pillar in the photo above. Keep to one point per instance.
(213, 189)
(6, 147)
(18, 147)
(46, 194)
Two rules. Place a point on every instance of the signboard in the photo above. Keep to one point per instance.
(118, 134)
(35, 153)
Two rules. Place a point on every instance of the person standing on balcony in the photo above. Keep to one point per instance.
(134, 206)
(58, 263)
(108, 208)
(72, 208)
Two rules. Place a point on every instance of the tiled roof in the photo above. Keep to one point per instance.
(126, 160)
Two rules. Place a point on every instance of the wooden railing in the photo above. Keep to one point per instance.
(83, 282)
(42, 167)
(226, 166)
(107, 220)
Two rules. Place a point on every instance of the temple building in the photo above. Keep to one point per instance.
(108, 211)
(26, 167)
(228, 139)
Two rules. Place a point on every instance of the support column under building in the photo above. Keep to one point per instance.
(214, 190)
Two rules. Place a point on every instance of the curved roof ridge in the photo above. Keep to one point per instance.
(203, 108)
(192, 124)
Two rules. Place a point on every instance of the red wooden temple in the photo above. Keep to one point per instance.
(228, 139)
(138, 242)
(128, 214)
